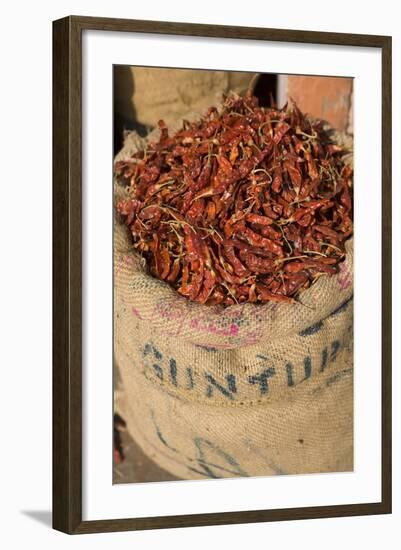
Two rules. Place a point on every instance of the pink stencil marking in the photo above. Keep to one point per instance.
(136, 312)
(233, 330)
(344, 277)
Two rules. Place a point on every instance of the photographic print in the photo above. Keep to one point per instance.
(233, 274)
(221, 222)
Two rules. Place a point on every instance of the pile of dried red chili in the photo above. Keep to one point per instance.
(247, 204)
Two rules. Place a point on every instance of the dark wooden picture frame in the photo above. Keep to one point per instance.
(67, 279)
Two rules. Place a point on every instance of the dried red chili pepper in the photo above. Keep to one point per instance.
(245, 204)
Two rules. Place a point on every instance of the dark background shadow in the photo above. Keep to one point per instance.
(125, 117)
(266, 89)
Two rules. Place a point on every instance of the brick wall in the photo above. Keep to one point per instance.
(329, 98)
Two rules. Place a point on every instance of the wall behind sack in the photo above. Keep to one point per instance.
(324, 97)
(26, 275)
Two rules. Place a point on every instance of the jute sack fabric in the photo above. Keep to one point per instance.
(240, 391)
(149, 94)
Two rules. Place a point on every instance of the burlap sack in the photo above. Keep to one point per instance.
(240, 391)
(148, 94)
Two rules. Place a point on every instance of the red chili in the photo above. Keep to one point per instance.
(257, 240)
(246, 204)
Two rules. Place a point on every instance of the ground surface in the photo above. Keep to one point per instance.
(137, 467)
